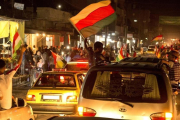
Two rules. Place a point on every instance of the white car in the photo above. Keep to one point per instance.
(21, 112)
(135, 88)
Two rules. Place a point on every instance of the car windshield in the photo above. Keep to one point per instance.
(150, 49)
(55, 80)
(127, 86)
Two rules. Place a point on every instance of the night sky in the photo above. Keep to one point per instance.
(161, 7)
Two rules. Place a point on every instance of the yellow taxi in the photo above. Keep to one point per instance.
(56, 92)
(151, 49)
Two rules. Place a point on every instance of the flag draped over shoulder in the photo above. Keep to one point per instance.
(159, 37)
(120, 55)
(93, 18)
(17, 41)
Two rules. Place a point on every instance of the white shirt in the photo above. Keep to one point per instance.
(6, 88)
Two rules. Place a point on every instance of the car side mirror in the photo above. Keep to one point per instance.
(21, 102)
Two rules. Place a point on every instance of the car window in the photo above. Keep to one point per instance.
(57, 80)
(128, 86)
(150, 49)
(80, 79)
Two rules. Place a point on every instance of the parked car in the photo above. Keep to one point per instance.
(135, 88)
(21, 111)
(56, 92)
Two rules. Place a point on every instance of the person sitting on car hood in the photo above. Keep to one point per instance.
(6, 82)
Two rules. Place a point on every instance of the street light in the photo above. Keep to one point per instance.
(135, 20)
(59, 6)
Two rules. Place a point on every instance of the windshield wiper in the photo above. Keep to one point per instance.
(116, 99)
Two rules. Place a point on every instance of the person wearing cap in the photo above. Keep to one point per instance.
(6, 82)
(174, 71)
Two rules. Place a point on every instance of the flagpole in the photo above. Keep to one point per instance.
(77, 29)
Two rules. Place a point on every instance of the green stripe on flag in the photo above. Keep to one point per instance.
(90, 30)
(18, 45)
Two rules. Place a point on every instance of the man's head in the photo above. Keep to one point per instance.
(2, 66)
(173, 55)
(98, 47)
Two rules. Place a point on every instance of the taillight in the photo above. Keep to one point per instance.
(83, 111)
(62, 79)
(72, 98)
(161, 116)
(30, 97)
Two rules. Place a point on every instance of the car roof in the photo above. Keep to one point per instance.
(62, 72)
(135, 63)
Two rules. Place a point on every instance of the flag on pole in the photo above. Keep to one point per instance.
(157, 38)
(54, 56)
(17, 41)
(58, 60)
(93, 18)
(120, 55)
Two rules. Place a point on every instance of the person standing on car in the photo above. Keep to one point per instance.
(95, 56)
(90, 53)
(6, 82)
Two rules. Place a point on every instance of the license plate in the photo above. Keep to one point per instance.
(50, 97)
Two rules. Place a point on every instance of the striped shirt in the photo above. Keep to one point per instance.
(174, 73)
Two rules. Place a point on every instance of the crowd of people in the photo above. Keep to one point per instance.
(42, 58)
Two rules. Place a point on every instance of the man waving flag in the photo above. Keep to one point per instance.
(93, 18)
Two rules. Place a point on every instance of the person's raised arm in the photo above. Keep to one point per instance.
(23, 49)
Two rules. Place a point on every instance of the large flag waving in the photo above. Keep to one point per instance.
(93, 18)
(157, 38)
(17, 41)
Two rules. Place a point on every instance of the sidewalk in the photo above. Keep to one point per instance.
(20, 80)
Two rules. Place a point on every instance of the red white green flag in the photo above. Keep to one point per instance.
(93, 18)
(120, 55)
(17, 41)
(159, 37)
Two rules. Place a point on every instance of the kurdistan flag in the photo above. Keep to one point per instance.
(120, 55)
(17, 41)
(93, 18)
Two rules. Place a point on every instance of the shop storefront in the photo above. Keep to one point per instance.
(8, 28)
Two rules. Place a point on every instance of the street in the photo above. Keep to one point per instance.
(21, 91)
